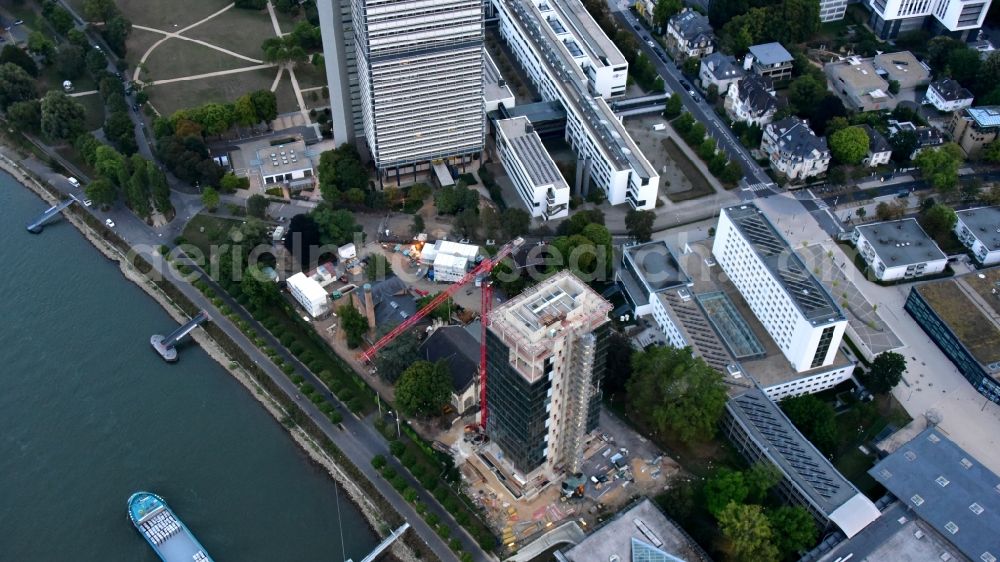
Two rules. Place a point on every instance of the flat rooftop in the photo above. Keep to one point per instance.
(727, 332)
(811, 298)
(968, 306)
(859, 76)
(896, 535)
(528, 148)
(566, 74)
(278, 158)
(984, 222)
(589, 36)
(947, 488)
(904, 68)
(644, 523)
(771, 53)
(495, 87)
(798, 459)
(561, 302)
(657, 265)
(986, 117)
(901, 242)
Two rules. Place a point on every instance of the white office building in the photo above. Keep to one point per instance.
(309, 293)
(957, 18)
(571, 61)
(420, 75)
(899, 249)
(979, 230)
(532, 171)
(795, 309)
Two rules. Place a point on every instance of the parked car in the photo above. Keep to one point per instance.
(87, 202)
(74, 182)
(110, 223)
(651, 44)
(19, 22)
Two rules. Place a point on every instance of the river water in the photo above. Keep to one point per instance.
(89, 414)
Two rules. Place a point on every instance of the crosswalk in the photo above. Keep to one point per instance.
(762, 186)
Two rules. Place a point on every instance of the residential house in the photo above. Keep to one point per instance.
(927, 137)
(752, 101)
(459, 349)
(720, 70)
(898, 249)
(794, 149)
(645, 9)
(948, 95)
(879, 149)
(770, 60)
(975, 127)
(979, 230)
(690, 34)
(859, 85)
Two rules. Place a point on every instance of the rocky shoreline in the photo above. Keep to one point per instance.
(305, 441)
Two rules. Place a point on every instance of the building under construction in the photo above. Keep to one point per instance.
(545, 365)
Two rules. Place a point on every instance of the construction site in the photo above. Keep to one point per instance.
(526, 425)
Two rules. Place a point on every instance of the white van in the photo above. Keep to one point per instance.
(74, 182)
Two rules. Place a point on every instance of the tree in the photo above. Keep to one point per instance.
(158, 187)
(466, 223)
(671, 390)
(748, 533)
(893, 87)
(723, 488)
(514, 222)
(707, 149)
(397, 356)
(340, 170)
(963, 65)
(41, 45)
(684, 123)
(258, 288)
(663, 10)
(116, 33)
(25, 115)
(424, 388)
(95, 62)
(712, 94)
(58, 16)
(760, 478)
(354, 325)
(378, 268)
(336, 227)
(14, 55)
(793, 529)
(732, 173)
(883, 211)
(991, 153)
(257, 205)
(815, 419)
(673, 106)
(441, 312)
(418, 224)
(886, 371)
(210, 197)
(903, 143)
(850, 145)
(15, 85)
(62, 116)
(120, 131)
(940, 165)
(265, 103)
(101, 191)
(70, 62)
(99, 10)
(640, 224)
(804, 93)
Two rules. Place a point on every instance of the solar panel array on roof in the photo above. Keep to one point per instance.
(532, 153)
(573, 48)
(811, 297)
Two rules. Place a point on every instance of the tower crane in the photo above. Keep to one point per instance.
(482, 268)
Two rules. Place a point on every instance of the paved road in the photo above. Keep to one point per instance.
(723, 135)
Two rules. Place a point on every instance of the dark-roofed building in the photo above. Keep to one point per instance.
(647, 272)
(795, 309)
(762, 433)
(752, 100)
(899, 249)
(770, 60)
(460, 350)
(949, 489)
(794, 149)
(720, 70)
(979, 230)
(879, 149)
(959, 315)
(948, 95)
(927, 137)
(690, 34)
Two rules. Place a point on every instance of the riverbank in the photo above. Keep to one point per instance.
(280, 410)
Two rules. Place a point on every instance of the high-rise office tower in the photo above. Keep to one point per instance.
(337, 26)
(545, 363)
(958, 19)
(419, 69)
